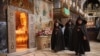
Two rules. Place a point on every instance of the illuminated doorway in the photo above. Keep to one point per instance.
(21, 30)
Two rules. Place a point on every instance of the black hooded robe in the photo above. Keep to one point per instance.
(79, 44)
(68, 35)
(57, 40)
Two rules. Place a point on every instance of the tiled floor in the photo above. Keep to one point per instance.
(95, 51)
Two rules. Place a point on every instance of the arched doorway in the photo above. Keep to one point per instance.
(21, 22)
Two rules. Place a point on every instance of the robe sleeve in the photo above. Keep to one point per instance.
(84, 29)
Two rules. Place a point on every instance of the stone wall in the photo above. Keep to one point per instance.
(43, 12)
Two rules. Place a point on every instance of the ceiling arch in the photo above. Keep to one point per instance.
(94, 4)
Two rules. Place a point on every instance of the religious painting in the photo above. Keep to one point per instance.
(50, 8)
(44, 6)
(25, 4)
(21, 22)
(37, 5)
(43, 14)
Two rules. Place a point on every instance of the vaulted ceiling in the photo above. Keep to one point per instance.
(94, 3)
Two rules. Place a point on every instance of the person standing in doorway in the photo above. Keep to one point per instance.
(80, 40)
(57, 39)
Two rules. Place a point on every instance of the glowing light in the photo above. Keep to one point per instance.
(21, 31)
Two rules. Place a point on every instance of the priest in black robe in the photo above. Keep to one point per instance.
(80, 42)
(57, 39)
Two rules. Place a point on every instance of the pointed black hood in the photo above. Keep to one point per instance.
(83, 20)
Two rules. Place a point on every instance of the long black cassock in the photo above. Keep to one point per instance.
(68, 35)
(78, 43)
(57, 39)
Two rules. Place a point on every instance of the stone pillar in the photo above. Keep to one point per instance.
(31, 25)
(11, 31)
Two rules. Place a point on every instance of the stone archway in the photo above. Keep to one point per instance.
(93, 3)
(12, 33)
